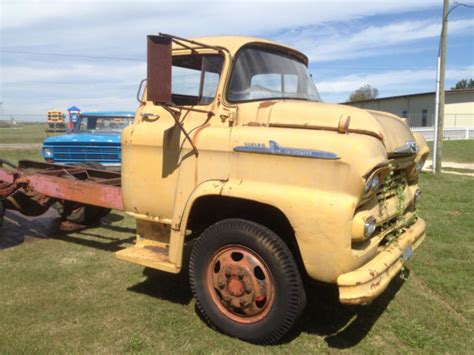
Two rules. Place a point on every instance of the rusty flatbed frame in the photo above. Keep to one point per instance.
(63, 182)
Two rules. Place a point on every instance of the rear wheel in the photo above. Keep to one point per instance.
(87, 215)
(246, 282)
(81, 214)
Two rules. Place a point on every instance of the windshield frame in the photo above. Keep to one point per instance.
(272, 50)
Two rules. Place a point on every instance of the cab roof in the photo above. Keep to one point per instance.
(234, 43)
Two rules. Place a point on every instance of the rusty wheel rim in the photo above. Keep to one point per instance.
(240, 284)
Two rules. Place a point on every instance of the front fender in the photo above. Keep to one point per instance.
(321, 220)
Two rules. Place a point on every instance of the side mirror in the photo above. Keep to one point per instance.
(159, 69)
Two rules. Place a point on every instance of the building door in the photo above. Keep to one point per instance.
(424, 118)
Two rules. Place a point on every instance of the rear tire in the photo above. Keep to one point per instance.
(82, 214)
(87, 215)
(246, 281)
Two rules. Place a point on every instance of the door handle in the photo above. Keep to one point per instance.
(150, 116)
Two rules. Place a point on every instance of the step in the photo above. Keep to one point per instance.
(150, 254)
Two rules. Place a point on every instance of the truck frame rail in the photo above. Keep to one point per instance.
(63, 182)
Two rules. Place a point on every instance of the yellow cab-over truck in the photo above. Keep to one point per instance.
(233, 153)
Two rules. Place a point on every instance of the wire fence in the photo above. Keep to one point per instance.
(449, 133)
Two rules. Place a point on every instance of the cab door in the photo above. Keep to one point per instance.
(161, 164)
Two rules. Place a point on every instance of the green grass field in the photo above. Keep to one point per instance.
(69, 294)
(457, 151)
(14, 155)
(24, 133)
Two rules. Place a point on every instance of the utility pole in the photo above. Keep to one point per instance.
(439, 116)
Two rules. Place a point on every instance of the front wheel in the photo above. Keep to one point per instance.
(246, 282)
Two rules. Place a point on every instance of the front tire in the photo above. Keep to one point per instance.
(246, 281)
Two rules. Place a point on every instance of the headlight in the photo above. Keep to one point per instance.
(420, 164)
(372, 184)
(369, 226)
(48, 152)
(375, 182)
(417, 195)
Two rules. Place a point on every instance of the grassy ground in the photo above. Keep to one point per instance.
(15, 155)
(69, 294)
(457, 151)
(26, 133)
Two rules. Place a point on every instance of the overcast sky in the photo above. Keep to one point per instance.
(50, 49)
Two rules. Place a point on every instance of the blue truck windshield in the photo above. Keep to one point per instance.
(97, 123)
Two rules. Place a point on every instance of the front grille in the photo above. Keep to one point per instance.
(78, 153)
(396, 180)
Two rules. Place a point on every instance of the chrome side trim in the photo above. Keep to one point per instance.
(275, 149)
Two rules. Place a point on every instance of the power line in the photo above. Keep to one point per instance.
(457, 4)
(71, 55)
(394, 69)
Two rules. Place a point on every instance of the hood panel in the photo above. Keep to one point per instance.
(84, 138)
(390, 129)
(395, 132)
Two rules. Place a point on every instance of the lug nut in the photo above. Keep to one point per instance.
(228, 299)
(221, 284)
(227, 272)
(240, 274)
(248, 289)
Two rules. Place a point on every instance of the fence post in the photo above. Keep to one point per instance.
(466, 136)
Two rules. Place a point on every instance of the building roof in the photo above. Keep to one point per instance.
(447, 92)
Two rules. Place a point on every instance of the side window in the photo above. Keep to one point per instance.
(212, 67)
(195, 79)
(185, 81)
(405, 114)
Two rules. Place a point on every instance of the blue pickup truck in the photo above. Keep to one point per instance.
(94, 140)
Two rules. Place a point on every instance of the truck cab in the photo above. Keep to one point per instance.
(232, 151)
(93, 140)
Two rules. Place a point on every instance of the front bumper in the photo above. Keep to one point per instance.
(362, 285)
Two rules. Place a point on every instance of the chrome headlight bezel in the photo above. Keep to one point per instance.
(370, 225)
(372, 184)
(48, 152)
(420, 163)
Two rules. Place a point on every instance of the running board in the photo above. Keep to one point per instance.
(149, 253)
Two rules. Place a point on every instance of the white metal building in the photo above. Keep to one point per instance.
(419, 109)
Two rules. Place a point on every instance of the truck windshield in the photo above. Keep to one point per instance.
(101, 124)
(261, 74)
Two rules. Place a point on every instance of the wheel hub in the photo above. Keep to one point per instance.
(240, 284)
(236, 287)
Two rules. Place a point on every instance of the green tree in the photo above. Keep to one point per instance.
(464, 84)
(365, 92)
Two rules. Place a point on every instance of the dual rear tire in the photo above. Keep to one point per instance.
(246, 282)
